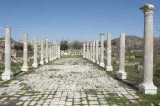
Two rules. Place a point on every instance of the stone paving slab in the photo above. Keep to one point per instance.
(67, 82)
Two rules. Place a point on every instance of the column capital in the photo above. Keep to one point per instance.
(148, 9)
(101, 34)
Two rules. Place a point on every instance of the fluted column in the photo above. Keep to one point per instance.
(109, 65)
(102, 50)
(25, 54)
(46, 60)
(121, 74)
(147, 86)
(7, 74)
(84, 50)
(42, 52)
(93, 59)
(97, 53)
(35, 64)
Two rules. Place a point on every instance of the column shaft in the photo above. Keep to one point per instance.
(25, 53)
(102, 50)
(7, 74)
(121, 73)
(109, 65)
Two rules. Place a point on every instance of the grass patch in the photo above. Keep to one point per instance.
(54, 70)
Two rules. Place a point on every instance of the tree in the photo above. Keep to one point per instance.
(77, 44)
(64, 45)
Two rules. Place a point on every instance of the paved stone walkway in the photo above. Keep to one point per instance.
(67, 81)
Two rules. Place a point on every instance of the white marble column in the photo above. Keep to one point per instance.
(7, 74)
(102, 50)
(46, 60)
(97, 52)
(121, 74)
(87, 50)
(42, 52)
(58, 51)
(93, 59)
(25, 54)
(35, 64)
(55, 51)
(50, 54)
(91, 51)
(109, 60)
(147, 86)
(84, 50)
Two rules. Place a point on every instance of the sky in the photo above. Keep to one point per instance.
(75, 19)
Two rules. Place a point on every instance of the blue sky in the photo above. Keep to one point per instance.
(75, 19)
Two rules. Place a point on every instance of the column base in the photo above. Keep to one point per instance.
(109, 68)
(148, 88)
(94, 61)
(25, 68)
(35, 65)
(41, 62)
(97, 62)
(46, 61)
(101, 64)
(121, 75)
(7, 76)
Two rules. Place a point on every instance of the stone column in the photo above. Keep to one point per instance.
(87, 50)
(147, 86)
(50, 57)
(55, 51)
(35, 64)
(121, 74)
(46, 60)
(93, 59)
(91, 51)
(25, 54)
(84, 51)
(109, 60)
(102, 50)
(97, 53)
(52, 53)
(58, 51)
(42, 53)
(7, 74)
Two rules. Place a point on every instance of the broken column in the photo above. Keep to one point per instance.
(109, 65)
(97, 53)
(121, 74)
(35, 64)
(7, 74)
(147, 85)
(102, 50)
(42, 53)
(46, 60)
(84, 51)
(93, 59)
(25, 54)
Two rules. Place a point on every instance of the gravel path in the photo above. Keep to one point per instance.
(67, 81)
